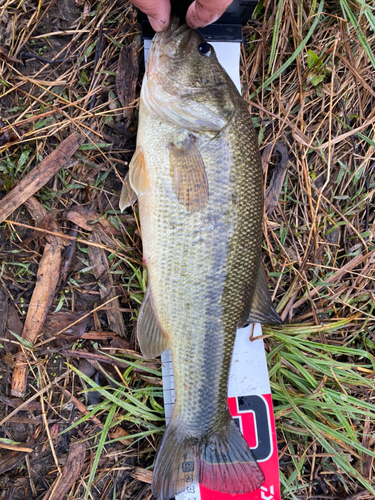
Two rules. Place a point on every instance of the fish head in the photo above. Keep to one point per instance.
(185, 83)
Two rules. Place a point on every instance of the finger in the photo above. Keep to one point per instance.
(203, 12)
(158, 12)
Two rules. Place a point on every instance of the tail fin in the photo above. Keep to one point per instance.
(221, 462)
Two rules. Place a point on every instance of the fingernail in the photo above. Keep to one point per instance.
(158, 25)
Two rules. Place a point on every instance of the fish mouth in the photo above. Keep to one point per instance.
(174, 29)
(174, 42)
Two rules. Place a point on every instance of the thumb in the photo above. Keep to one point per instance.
(158, 12)
(204, 12)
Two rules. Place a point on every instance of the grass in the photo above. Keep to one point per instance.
(307, 72)
(319, 395)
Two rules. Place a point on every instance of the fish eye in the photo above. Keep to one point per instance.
(206, 49)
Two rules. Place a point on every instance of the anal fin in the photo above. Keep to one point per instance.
(261, 310)
(152, 339)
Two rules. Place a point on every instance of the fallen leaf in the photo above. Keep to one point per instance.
(15, 325)
(11, 459)
(59, 321)
(7, 58)
(43, 220)
(274, 189)
(86, 368)
(16, 402)
(3, 309)
(88, 219)
(54, 430)
(7, 34)
(8, 359)
(119, 432)
(7, 136)
(100, 266)
(143, 475)
(119, 343)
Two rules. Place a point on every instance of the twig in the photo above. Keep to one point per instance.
(37, 394)
(40, 175)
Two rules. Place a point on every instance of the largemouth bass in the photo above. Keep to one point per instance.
(197, 174)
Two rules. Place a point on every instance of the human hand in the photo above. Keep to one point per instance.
(157, 11)
(204, 12)
(199, 14)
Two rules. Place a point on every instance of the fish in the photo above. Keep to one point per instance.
(196, 172)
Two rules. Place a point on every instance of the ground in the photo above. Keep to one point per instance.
(75, 262)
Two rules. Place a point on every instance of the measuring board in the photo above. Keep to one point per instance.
(249, 392)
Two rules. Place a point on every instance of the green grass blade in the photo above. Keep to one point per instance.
(295, 54)
(99, 450)
(362, 37)
(137, 409)
(275, 35)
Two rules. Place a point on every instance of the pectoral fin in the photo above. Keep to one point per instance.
(128, 196)
(188, 175)
(138, 177)
(262, 310)
(152, 339)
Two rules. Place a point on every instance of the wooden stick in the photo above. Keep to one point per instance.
(70, 474)
(41, 300)
(15, 447)
(80, 406)
(40, 175)
(99, 262)
(27, 404)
